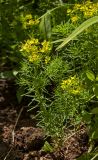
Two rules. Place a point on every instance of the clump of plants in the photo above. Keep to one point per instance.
(62, 78)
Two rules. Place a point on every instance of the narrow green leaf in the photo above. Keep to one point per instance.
(77, 31)
(90, 75)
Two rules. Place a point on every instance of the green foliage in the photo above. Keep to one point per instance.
(62, 82)
(43, 6)
(90, 75)
(51, 18)
(57, 81)
(78, 30)
(45, 26)
(47, 147)
(56, 69)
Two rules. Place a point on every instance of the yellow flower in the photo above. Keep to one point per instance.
(69, 11)
(76, 91)
(33, 57)
(32, 41)
(74, 19)
(32, 50)
(28, 16)
(69, 82)
(27, 20)
(32, 22)
(72, 85)
(88, 9)
(76, 6)
(36, 21)
(46, 47)
(29, 45)
(47, 59)
(88, 14)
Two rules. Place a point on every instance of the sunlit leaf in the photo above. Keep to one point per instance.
(90, 75)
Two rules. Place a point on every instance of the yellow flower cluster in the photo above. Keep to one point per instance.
(88, 9)
(33, 57)
(28, 21)
(46, 47)
(32, 50)
(30, 45)
(72, 85)
(74, 19)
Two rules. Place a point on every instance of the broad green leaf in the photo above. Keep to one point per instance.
(90, 75)
(45, 25)
(95, 110)
(77, 31)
